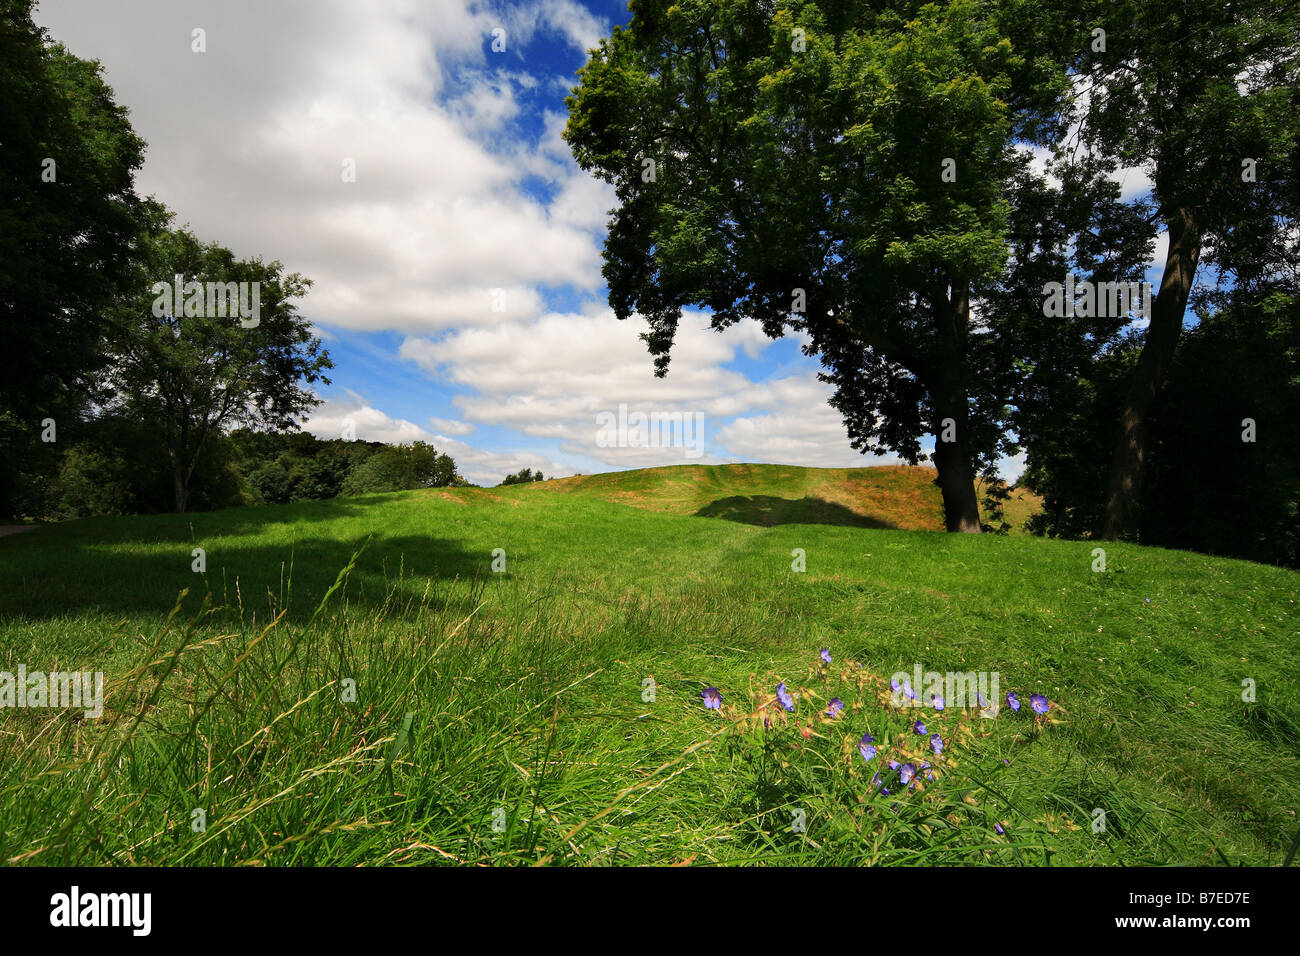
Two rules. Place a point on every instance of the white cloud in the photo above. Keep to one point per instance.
(355, 418)
(581, 28)
(814, 437)
(247, 142)
(449, 426)
(552, 378)
(354, 415)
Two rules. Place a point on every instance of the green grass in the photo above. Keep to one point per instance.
(525, 688)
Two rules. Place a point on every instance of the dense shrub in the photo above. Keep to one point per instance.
(399, 467)
(523, 476)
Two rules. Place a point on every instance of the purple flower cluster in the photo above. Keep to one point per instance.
(908, 772)
(1037, 702)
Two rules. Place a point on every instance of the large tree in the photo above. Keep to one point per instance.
(1205, 98)
(836, 168)
(68, 215)
(1074, 222)
(206, 367)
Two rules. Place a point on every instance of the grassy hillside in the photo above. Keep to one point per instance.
(766, 495)
(533, 735)
(888, 497)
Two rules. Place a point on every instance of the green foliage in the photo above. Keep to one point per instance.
(1203, 100)
(116, 465)
(90, 483)
(1187, 93)
(399, 467)
(1211, 488)
(196, 374)
(65, 244)
(523, 476)
(1207, 489)
(805, 188)
(273, 484)
(296, 466)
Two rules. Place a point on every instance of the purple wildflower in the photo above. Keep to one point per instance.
(835, 706)
(937, 701)
(998, 827)
(1012, 700)
(936, 743)
(712, 699)
(906, 773)
(784, 697)
(902, 688)
(919, 728)
(867, 750)
(1040, 703)
(826, 655)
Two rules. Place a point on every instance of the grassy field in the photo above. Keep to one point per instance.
(552, 711)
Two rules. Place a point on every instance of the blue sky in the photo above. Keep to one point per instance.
(465, 201)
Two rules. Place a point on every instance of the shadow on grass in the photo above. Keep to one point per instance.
(767, 511)
(82, 566)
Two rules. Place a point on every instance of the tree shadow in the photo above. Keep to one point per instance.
(136, 569)
(767, 511)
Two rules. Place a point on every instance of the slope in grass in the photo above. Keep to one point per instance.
(555, 705)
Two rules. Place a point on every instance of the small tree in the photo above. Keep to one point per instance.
(200, 369)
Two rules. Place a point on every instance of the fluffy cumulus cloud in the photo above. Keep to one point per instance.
(254, 141)
(355, 416)
(567, 377)
(814, 437)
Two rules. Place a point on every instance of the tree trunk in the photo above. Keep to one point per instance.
(1128, 462)
(948, 401)
(956, 479)
(181, 487)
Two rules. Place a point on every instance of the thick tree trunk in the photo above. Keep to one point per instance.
(181, 489)
(948, 401)
(1128, 462)
(956, 482)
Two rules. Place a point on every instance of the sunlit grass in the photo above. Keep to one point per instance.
(530, 739)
